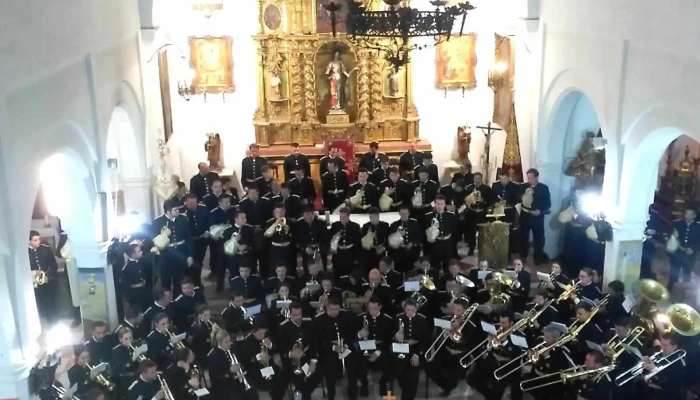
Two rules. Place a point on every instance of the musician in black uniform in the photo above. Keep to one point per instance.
(256, 355)
(615, 309)
(654, 233)
(124, 361)
(79, 374)
(396, 188)
(303, 186)
(199, 335)
(250, 286)
(146, 386)
(162, 303)
(134, 281)
(454, 192)
(372, 159)
(230, 190)
(41, 258)
(352, 282)
(334, 186)
(222, 215)
(185, 305)
(476, 211)
(277, 309)
(133, 319)
(521, 292)
(443, 246)
(235, 317)
(245, 236)
(212, 199)
(275, 190)
(509, 192)
(670, 382)
(98, 345)
(392, 277)
(296, 160)
(278, 230)
(687, 231)
(336, 333)
(427, 164)
(177, 257)
(412, 236)
(292, 202)
(311, 236)
(332, 157)
(298, 347)
(257, 210)
(370, 193)
(549, 362)
(601, 389)
(280, 278)
(428, 190)
(549, 315)
(378, 175)
(464, 174)
(409, 160)
(198, 217)
(228, 380)
(376, 287)
(590, 332)
(181, 377)
(482, 378)
(413, 329)
(348, 237)
(160, 342)
(378, 327)
(251, 166)
(532, 217)
(264, 182)
(454, 268)
(444, 369)
(589, 290)
(200, 184)
(373, 250)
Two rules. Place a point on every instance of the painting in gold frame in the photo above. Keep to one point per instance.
(211, 59)
(455, 63)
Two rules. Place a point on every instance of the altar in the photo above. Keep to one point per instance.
(361, 219)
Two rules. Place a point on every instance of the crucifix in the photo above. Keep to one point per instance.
(488, 131)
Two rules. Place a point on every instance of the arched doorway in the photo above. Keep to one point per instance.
(127, 185)
(575, 176)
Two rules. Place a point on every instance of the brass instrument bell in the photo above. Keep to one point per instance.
(683, 319)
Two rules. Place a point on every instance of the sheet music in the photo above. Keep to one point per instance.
(488, 328)
(411, 286)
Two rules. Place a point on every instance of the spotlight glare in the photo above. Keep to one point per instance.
(128, 224)
(58, 336)
(591, 204)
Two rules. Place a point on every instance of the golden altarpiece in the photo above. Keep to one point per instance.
(314, 88)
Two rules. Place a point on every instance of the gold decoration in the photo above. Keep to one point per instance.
(511, 153)
(503, 96)
(212, 60)
(455, 65)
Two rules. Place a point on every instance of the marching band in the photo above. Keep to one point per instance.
(385, 297)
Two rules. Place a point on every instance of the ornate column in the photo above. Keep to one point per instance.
(296, 87)
(309, 83)
(376, 89)
(623, 255)
(364, 87)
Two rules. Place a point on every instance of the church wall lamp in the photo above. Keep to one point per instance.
(184, 85)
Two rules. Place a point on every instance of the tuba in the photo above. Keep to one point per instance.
(417, 199)
(528, 198)
(433, 231)
(567, 215)
(231, 245)
(335, 242)
(367, 241)
(162, 240)
(683, 319)
(356, 199)
(217, 231)
(396, 239)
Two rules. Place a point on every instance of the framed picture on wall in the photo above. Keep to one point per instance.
(211, 59)
(455, 63)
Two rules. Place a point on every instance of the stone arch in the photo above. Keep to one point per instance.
(647, 139)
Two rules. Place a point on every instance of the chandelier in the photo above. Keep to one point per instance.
(390, 31)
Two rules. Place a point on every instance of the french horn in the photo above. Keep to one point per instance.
(417, 199)
(162, 240)
(473, 198)
(672, 243)
(433, 231)
(396, 239)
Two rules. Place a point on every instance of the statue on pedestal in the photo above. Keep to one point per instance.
(339, 93)
(394, 83)
(587, 165)
(464, 140)
(213, 148)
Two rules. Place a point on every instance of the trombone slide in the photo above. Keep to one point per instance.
(635, 371)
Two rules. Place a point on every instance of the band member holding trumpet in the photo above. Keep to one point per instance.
(262, 373)
(337, 339)
(442, 229)
(374, 236)
(298, 349)
(413, 329)
(239, 239)
(226, 374)
(687, 232)
(185, 305)
(80, 374)
(44, 269)
(161, 342)
(478, 198)
(535, 204)
(278, 230)
(362, 194)
(394, 191)
(199, 335)
(345, 242)
(147, 385)
(378, 327)
(405, 238)
(197, 215)
(181, 376)
(334, 183)
(235, 318)
(174, 235)
(124, 360)
(311, 237)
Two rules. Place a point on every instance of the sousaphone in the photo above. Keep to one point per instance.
(683, 319)
(648, 294)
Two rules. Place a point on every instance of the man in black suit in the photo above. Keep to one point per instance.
(303, 186)
(296, 160)
(41, 258)
(200, 184)
(532, 216)
(427, 163)
(371, 159)
(332, 157)
(251, 166)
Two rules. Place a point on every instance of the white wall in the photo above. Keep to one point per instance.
(439, 115)
(65, 66)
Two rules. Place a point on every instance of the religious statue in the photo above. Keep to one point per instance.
(274, 65)
(213, 148)
(276, 84)
(464, 140)
(336, 73)
(585, 166)
(394, 82)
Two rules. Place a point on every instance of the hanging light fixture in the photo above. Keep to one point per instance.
(391, 31)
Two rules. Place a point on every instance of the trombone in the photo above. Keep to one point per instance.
(565, 376)
(637, 370)
(527, 357)
(166, 390)
(616, 346)
(449, 333)
(485, 346)
(667, 361)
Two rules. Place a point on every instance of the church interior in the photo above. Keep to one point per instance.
(589, 100)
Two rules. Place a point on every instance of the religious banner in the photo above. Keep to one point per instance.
(512, 163)
(503, 95)
(455, 64)
(212, 61)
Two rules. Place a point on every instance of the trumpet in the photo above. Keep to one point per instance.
(565, 376)
(298, 346)
(166, 390)
(322, 303)
(365, 327)
(637, 370)
(215, 328)
(141, 357)
(285, 310)
(400, 333)
(265, 363)
(179, 345)
(62, 391)
(240, 376)
(341, 343)
(101, 380)
(280, 224)
(448, 333)
(569, 291)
